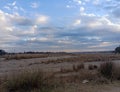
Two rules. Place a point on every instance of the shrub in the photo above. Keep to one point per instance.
(106, 69)
(116, 72)
(95, 66)
(27, 81)
(74, 68)
(92, 67)
(80, 66)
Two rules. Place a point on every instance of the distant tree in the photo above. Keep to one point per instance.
(2, 52)
(117, 49)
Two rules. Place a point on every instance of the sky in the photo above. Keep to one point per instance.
(59, 25)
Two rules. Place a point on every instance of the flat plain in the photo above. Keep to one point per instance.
(68, 69)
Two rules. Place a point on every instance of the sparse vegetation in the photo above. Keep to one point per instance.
(76, 72)
(106, 69)
(92, 67)
(86, 58)
(116, 72)
(28, 81)
(25, 56)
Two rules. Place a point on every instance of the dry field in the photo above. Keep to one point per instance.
(60, 73)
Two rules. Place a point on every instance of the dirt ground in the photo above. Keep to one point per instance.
(115, 87)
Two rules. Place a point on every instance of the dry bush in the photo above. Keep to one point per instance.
(75, 68)
(116, 72)
(110, 70)
(106, 69)
(92, 67)
(27, 81)
(78, 67)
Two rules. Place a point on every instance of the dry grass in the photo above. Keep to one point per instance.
(89, 88)
(28, 81)
(116, 72)
(92, 67)
(36, 81)
(86, 58)
(75, 68)
(35, 55)
(88, 75)
(106, 69)
(25, 56)
(73, 58)
(99, 57)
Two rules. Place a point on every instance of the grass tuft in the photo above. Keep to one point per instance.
(106, 69)
(28, 81)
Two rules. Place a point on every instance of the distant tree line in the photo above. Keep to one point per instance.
(2, 52)
(117, 49)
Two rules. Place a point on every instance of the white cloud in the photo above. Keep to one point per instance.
(87, 29)
(6, 30)
(34, 5)
(68, 6)
(77, 22)
(4, 21)
(96, 2)
(15, 7)
(42, 19)
(21, 9)
(65, 42)
(7, 7)
(82, 9)
(78, 2)
(14, 3)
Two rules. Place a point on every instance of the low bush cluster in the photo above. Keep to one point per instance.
(110, 70)
(29, 81)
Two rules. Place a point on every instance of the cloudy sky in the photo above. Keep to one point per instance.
(59, 25)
